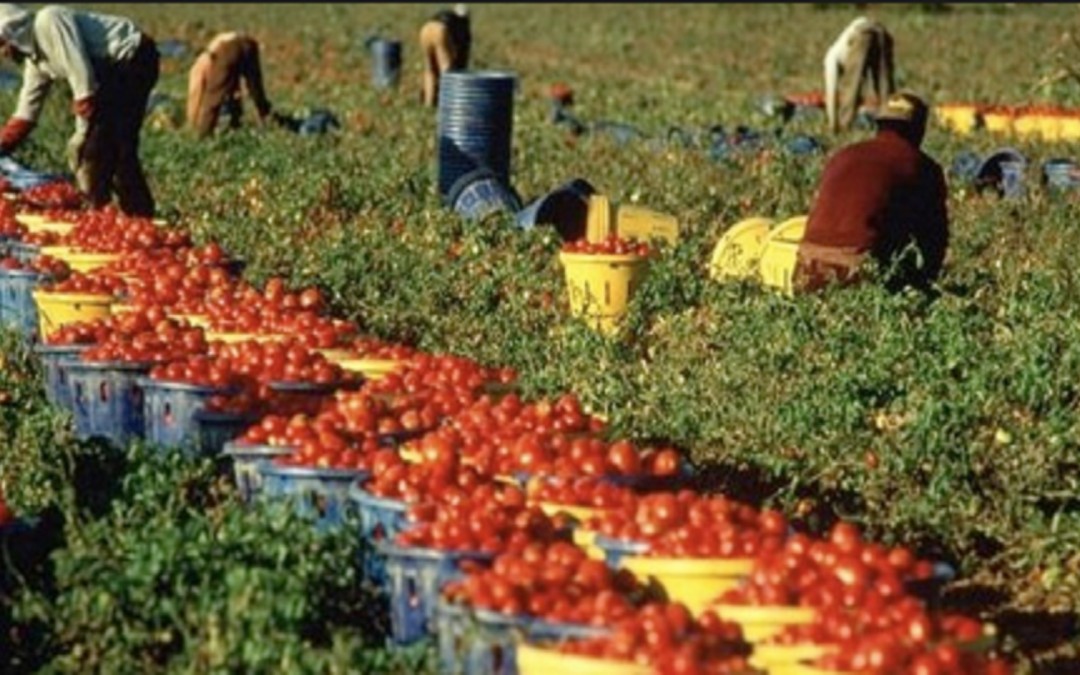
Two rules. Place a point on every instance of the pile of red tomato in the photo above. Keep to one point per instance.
(473, 440)
(612, 245)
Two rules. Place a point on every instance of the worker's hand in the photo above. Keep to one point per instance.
(84, 107)
(13, 134)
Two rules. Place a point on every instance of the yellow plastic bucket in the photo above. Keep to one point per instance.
(38, 223)
(1027, 126)
(122, 308)
(1069, 128)
(601, 286)
(767, 656)
(79, 261)
(598, 220)
(58, 309)
(538, 660)
(763, 622)
(243, 337)
(636, 222)
(738, 252)
(1050, 127)
(998, 122)
(693, 582)
(777, 265)
(962, 119)
(372, 369)
(336, 355)
(578, 513)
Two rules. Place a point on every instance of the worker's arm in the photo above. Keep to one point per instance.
(62, 46)
(35, 88)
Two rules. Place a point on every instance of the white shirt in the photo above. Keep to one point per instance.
(836, 55)
(66, 42)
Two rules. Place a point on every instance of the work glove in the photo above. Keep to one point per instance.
(13, 133)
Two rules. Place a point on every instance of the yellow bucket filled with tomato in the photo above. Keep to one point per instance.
(695, 582)
(761, 622)
(58, 309)
(601, 285)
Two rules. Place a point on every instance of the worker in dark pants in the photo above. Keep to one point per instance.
(111, 67)
(445, 42)
(214, 84)
(882, 199)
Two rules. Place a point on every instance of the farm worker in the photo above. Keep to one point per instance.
(876, 198)
(214, 83)
(445, 41)
(862, 56)
(111, 67)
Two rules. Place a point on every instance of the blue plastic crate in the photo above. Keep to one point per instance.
(169, 411)
(319, 493)
(380, 520)
(215, 429)
(416, 576)
(107, 398)
(248, 459)
(477, 642)
(57, 390)
(616, 549)
(17, 307)
(23, 252)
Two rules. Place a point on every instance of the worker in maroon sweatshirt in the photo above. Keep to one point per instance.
(882, 198)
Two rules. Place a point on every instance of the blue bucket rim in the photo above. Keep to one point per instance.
(491, 73)
(79, 364)
(43, 276)
(43, 348)
(171, 385)
(392, 550)
(358, 494)
(233, 448)
(478, 174)
(219, 416)
(313, 472)
(620, 545)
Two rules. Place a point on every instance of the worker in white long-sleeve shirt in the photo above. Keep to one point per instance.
(861, 57)
(111, 67)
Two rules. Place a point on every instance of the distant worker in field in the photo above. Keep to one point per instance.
(214, 83)
(860, 59)
(111, 66)
(445, 41)
(881, 198)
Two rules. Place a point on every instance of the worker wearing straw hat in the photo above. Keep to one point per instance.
(445, 42)
(882, 198)
(111, 67)
(214, 83)
(860, 59)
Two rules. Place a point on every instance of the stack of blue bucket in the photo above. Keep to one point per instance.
(475, 125)
(385, 62)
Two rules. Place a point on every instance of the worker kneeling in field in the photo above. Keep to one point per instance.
(445, 41)
(214, 84)
(861, 58)
(883, 198)
(111, 67)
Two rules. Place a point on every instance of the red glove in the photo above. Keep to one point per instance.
(14, 132)
(84, 107)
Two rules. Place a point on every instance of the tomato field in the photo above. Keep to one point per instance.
(898, 429)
